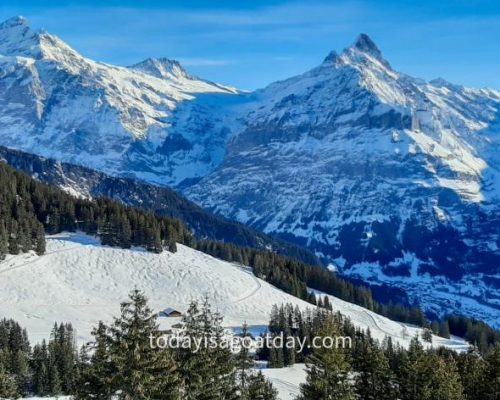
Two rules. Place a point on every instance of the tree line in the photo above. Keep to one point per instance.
(30, 208)
(120, 363)
(373, 370)
(297, 278)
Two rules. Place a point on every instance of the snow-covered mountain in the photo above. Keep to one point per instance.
(394, 178)
(56, 102)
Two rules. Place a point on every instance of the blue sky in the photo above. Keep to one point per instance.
(254, 42)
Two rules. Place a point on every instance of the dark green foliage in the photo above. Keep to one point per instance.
(142, 372)
(259, 388)
(374, 379)
(327, 369)
(8, 386)
(427, 335)
(95, 378)
(207, 373)
(29, 208)
(492, 376)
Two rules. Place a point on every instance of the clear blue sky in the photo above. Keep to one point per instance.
(254, 42)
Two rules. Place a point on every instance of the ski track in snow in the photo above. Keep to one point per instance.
(80, 281)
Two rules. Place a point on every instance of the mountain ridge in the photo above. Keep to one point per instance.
(393, 178)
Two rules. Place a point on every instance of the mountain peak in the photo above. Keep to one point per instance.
(365, 44)
(17, 38)
(163, 68)
(18, 20)
(362, 49)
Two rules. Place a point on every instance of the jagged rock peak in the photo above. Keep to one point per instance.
(13, 22)
(365, 44)
(161, 68)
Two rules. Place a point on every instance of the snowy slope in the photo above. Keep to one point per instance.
(80, 281)
(287, 380)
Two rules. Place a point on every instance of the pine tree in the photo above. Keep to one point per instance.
(4, 241)
(141, 371)
(20, 370)
(208, 373)
(54, 381)
(243, 360)
(39, 240)
(416, 373)
(472, 370)
(427, 335)
(41, 382)
(63, 355)
(444, 329)
(276, 358)
(95, 380)
(373, 379)
(492, 378)
(259, 388)
(446, 383)
(327, 370)
(8, 387)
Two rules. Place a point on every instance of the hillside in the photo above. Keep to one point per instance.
(87, 183)
(84, 282)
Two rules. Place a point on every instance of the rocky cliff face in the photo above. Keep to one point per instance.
(394, 178)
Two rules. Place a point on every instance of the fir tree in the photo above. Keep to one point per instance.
(472, 370)
(207, 372)
(95, 380)
(446, 383)
(8, 387)
(243, 360)
(492, 378)
(4, 241)
(41, 382)
(259, 388)
(327, 370)
(141, 372)
(374, 379)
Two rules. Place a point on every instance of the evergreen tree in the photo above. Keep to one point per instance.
(140, 371)
(415, 373)
(444, 329)
(243, 360)
(207, 372)
(492, 378)
(40, 368)
(4, 241)
(39, 238)
(374, 379)
(20, 370)
(8, 387)
(427, 335)
(472, 370)
(95, 380)
(54, 381)
(327, 371)
(446, 383)
(259, 388)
